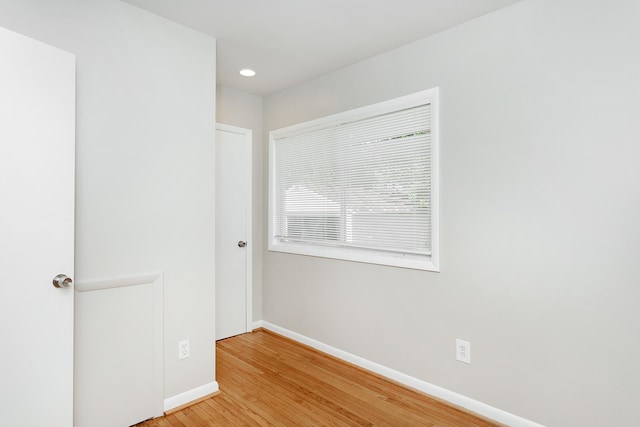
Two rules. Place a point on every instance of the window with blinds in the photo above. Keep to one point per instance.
(360, 185)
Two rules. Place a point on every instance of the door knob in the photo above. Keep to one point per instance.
(242, 244)
(62, 281)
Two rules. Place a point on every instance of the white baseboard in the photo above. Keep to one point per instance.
(454, 398)
(190, 395)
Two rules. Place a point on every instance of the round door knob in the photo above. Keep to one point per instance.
(242, 244)
(62, 281)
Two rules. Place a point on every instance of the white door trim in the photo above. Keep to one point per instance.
(248, 135)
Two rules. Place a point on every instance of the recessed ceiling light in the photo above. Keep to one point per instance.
(247, 73)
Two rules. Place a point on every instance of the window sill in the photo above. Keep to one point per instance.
(415, 262)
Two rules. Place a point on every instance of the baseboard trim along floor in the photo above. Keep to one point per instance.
(191, 396)
(444, 394)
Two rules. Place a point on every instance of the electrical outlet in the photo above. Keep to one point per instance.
(463, 351)
(183, 349)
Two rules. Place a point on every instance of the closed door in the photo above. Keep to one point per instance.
(37, 125)
(233, 229)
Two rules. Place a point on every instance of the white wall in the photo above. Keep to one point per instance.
(540, 207)
(145, 129)
(237, 108)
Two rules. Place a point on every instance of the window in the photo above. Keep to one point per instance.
(360, 185)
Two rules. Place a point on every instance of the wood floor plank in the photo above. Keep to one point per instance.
(268, 380)
(231, 413)
(342, 397)
(349, 393)
(290, 384)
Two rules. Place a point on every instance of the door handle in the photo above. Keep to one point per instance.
(62, 281)
(242, 244)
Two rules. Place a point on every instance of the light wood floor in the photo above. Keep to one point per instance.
(268, 380)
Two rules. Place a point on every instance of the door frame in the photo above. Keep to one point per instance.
(248, 137)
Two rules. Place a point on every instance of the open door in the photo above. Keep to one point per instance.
(37, 161)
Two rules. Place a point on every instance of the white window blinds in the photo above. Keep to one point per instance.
(362, 184)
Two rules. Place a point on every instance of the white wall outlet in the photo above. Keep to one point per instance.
(463, 351)
(183, 349)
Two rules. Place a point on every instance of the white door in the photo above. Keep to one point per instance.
(233, 229)
(37, 126)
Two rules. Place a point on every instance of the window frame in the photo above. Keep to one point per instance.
(419, 262)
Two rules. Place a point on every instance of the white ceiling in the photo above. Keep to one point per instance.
(289, 41)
